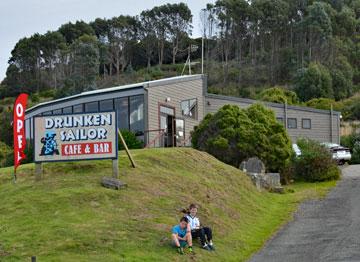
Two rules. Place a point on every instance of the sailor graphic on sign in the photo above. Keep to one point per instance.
(49, 144)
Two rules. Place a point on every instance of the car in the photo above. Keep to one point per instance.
(339, 153)
(296, 149)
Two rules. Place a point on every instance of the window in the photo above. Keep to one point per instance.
(106, 105)
(78, 108)
(137, 114)
(122, 108)
(306, 123)
(189, 108)
(47, 113)
(280, 120)
(92, 107)
(180, 131)
(292, 123)
(57, 111)
(67, 110)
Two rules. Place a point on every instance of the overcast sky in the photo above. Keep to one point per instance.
(20, 18)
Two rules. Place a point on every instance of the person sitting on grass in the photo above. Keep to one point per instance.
(197, 231)
(181, 237)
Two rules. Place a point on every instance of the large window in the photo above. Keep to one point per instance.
(57, 112)
(92, 107)
(189, 108)
(137, 114)
(122, 108)
(106, 105)
(292, 123)
(306, 123)
(67, 110)
(78, 108)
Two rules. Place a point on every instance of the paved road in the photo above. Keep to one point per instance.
(322, 230)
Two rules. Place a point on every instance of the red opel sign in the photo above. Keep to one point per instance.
(19, 129)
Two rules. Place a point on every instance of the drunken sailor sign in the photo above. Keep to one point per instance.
(75, 137)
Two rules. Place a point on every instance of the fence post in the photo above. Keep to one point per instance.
(38, 171)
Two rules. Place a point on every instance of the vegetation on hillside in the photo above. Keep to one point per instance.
(69, 216)
(234, 135)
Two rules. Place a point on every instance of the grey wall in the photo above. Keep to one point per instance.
(177, 91)
(320, 119)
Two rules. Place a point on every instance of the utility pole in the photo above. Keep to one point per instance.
(202, 55)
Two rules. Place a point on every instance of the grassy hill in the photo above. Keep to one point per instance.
(69, 216)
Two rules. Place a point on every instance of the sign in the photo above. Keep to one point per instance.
(19, 129)
(75, 137)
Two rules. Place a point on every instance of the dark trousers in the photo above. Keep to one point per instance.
(203, 233)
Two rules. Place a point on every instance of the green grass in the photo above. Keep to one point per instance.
(69, 216)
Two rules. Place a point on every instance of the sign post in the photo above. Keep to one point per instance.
(74, 137)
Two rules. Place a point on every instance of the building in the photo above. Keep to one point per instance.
(163, 112)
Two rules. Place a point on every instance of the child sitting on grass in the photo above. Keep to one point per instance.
(181, 237)
(204, 233)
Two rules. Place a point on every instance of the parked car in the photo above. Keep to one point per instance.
(339, 153)
(296, 149)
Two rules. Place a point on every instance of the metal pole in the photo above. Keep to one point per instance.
(331, 123)
(202, 55)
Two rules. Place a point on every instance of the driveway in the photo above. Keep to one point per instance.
(322, 230)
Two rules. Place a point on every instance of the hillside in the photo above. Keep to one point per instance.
(68, 216)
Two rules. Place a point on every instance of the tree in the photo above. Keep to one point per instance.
(233, 135)
(147, 34)
(313, 82)
(342, 75)
(180, 19)
(85, 65)
(279, 95)
(72, 32)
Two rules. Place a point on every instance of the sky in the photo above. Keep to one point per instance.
(23, 18)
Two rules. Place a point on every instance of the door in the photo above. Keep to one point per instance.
(167, 124)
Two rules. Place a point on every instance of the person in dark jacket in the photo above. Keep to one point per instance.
(198, 231)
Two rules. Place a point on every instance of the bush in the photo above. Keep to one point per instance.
(353, 142)
(131, 140)
(233, 135)
(315, 163)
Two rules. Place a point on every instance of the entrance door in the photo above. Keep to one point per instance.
(167, 123)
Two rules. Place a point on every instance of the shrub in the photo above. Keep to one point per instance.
(353, 142)
(315, 163)
(131, 140)
(233, 135)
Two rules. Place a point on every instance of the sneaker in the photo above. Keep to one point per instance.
(206, 247)
(180, 250)
(191, 251)
(212, 247)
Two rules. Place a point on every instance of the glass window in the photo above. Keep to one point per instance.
(57, 111)
(78, 108)
(122, 108)
(67, 110)
(27, 128)
(137, 114)
(106, 105)
(306, 123)
(292, 123)
(92, 107)
(189, 108)
(47, 113)
(180, 131)
(280, 120)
